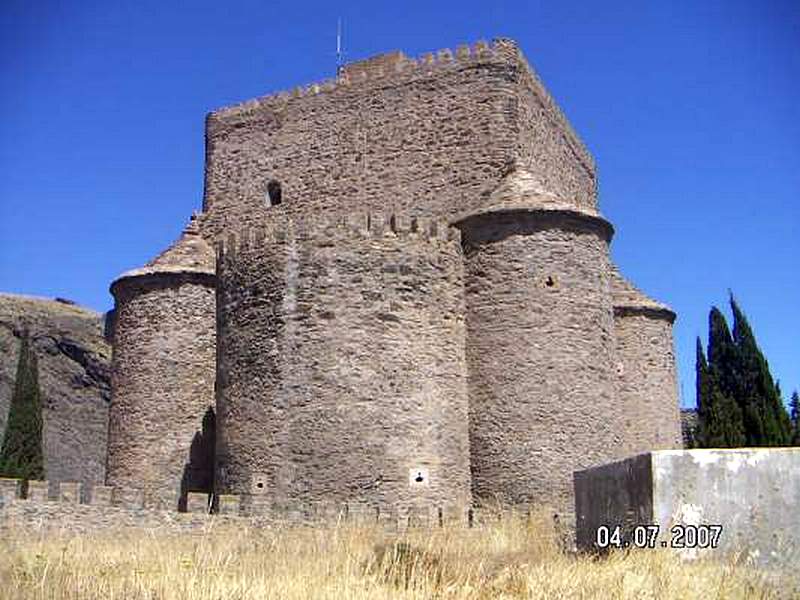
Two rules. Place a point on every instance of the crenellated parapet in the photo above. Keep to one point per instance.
(431, 135)
(110, 508)
(327, 230)
(393, 68)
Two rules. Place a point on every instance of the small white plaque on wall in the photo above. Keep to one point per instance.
(418, 477)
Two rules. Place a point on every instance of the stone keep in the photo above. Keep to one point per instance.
(412, 301)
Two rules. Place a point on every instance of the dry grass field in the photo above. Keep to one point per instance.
(514, 559)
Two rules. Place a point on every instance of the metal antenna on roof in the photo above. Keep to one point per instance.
(339, 46)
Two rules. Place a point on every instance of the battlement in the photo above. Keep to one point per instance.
(396, 68)
(382, 68)
(332, 229)
(109, 508)
(432, 135)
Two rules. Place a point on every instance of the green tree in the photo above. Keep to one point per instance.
(795, 406)
(722, 353)
(21, 454)
(765, 418)
(720, 417)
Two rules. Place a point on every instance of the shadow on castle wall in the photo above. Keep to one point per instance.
(198, 473)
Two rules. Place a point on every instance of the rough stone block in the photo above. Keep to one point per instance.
(255, 505)
(360, 513)
(387, 517)
(38, 491)
(128, 497)
(328, 512)
(752, 493)
(197, 502)
(10, 489)
(69, 492)
(454, 515)
(101, 495)
(421, 515)
(162, 499)
(229, 504)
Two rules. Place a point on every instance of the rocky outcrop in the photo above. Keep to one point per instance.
(74, 377)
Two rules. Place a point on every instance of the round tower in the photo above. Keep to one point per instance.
(341, 371)
(540, 344)
(161, 419)
(647, 379)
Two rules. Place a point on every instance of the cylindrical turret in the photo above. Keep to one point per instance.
(161, 421)
(647, 380)
(540, 345)
(341, 363)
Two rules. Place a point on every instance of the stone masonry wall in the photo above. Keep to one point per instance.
(429, 137)
(69, 506)
(163, 380)
(541, 354)
(548, 147)
(341, 373)
(648, 384)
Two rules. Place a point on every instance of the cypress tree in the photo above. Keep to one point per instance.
(702, 386)
(21, 454)
(766, 420)
(722, 353)
(795, 406)
(720, 417)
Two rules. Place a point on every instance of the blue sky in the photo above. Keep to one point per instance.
(690, 108)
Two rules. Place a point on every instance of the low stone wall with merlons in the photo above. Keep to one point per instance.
(739, 503)
(107, 508)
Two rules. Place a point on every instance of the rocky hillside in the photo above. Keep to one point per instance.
(74, 376)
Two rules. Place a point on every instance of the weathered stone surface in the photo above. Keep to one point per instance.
(690, 427)
(161, 425)
(648, 384)
(74, 377)
(341, 362)
(541, 352)
(344, 341)
(415, 137)
(753, 493)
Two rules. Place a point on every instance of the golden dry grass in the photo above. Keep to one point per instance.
(513, 559)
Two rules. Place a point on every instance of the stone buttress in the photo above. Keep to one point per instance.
(647, 376)
(341, 370)
(161, 421)
(540, 344)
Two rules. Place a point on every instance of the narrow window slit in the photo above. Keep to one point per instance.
(274, 192)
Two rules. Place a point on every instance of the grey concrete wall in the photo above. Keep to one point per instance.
(753, 493)
(341, 362)
(618, 493)
(541, 354)
(163, 382)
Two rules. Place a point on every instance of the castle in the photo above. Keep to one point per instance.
(398, 290)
